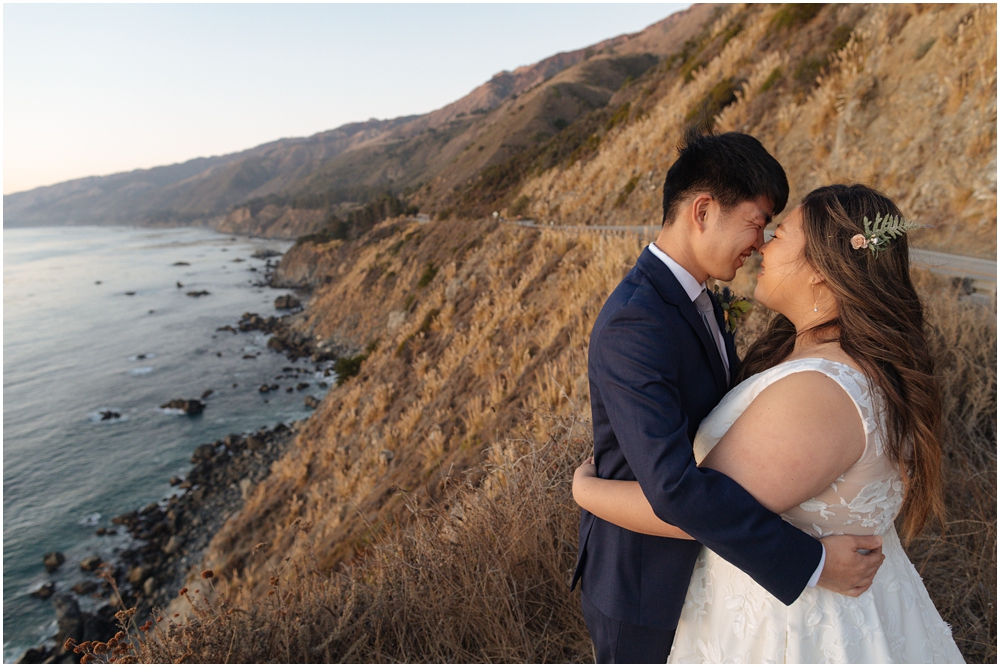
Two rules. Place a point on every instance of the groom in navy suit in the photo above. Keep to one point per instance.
(660, 359)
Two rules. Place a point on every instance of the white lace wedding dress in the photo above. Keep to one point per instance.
(728, 618)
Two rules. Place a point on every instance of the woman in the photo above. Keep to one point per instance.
(835, 425)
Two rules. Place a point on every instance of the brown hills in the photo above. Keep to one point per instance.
(350, 164)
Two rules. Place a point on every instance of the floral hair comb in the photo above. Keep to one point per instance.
(878, 234)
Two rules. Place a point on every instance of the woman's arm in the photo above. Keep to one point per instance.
(783, 449)
(794, 440)
(619, 502)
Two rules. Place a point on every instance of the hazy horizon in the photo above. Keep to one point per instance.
(93, 90)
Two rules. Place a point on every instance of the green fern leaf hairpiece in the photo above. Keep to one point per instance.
(878, 234)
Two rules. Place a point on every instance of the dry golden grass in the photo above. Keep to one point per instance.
(921, 129)
(481, 575)
(481, 579)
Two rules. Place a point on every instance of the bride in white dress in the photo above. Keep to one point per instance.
(835, 426)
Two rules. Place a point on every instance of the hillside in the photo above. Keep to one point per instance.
(459, 432)
(901, 97)
(335, 170)
(422, 512)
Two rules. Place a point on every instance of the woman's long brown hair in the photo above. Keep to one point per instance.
(880, 324)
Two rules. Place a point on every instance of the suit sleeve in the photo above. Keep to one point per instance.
(639, 386)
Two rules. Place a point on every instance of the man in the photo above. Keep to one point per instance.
(660, 359)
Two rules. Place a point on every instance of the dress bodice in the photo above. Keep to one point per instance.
(866, 498)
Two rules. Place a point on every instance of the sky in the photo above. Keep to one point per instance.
(99, 89)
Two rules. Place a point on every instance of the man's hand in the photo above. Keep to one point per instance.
(851, 563)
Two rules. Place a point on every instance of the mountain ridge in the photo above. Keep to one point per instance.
(158, 196)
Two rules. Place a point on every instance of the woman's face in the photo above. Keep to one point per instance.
(783, 283)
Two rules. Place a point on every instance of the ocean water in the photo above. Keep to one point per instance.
(75, 344)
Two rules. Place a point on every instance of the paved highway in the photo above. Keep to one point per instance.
(979, 270)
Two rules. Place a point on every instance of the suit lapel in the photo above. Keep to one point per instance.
(730, 342)
(671, 291)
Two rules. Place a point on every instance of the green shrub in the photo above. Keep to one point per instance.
(772, 78)
(721, 95)
(560, 123)
(793, 15)
(733, 30)
(348, 367)
(840, 36)
(923, 49)
(427, 276)
(619, 116)
(807, 71)
(520, 206)
(627, 190)
(425, 326)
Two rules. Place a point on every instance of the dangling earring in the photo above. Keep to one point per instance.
(815, 302)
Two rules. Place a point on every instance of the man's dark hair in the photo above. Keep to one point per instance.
(732, 167)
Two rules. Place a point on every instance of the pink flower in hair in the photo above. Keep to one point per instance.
(859, 241)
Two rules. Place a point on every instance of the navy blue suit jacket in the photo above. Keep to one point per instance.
(654, 375)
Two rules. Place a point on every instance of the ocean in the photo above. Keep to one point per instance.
(94, 321)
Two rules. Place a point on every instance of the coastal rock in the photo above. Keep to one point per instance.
(199, 293)
(203, 453)
(53, 560)
(208, 392)
(84, 587)
(180, 285)
(68, 618)
(396, 319)
(175, 481)
(173, 545)
(189, 406)
(90, 563)
(34, 656)
(136, 575)
(181, 264)
(149, 587)
(107, 415)
(286, 301)
(227, 328)
(311, 402)
(44, 591)
(264, 389)
(101, 625)
(265, 253)
(234, 442)
(302, 385)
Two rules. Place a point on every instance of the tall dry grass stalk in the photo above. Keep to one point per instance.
(959, 562)
(482, 576)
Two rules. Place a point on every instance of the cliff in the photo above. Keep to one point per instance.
(901, 97)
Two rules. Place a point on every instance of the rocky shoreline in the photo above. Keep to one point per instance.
(169, 537)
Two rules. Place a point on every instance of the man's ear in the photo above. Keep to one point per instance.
(699, 209)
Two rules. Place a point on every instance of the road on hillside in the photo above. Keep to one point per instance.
(937, 262)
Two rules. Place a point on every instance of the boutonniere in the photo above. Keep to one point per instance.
(734, 308)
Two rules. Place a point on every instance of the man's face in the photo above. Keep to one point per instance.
(731, 236)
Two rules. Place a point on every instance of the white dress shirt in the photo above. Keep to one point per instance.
(693, 289)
